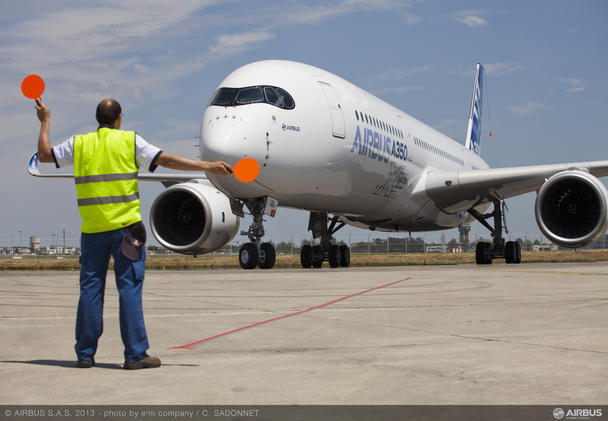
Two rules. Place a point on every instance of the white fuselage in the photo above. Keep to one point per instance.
(340, 150)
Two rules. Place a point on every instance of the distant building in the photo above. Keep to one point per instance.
(601, 243)
(545, 247)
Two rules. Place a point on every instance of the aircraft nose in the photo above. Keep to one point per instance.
(227, 136)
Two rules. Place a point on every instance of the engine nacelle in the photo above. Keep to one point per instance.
(571, 208)
(193, 218)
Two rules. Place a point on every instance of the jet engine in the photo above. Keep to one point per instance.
(193, 218)
(571, 208)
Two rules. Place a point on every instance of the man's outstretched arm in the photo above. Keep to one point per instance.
(176, 162)
(44, 140)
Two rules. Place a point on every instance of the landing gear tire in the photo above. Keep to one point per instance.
(513, 252)
(344, 256)
(268, 256)
(483, 253)
(248, 256)
(334, 256)
(317, 257)
(306, 256)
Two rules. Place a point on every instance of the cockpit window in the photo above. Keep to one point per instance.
(230, 97)
(224, 96)
(249, 96)
(287, 99)
(272, 97)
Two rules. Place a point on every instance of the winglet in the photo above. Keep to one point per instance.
(32, 165)
(32, 168)
(473, 140)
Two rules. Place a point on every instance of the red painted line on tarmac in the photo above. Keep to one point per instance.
(189, 346)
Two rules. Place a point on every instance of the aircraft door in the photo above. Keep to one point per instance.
(335, 110)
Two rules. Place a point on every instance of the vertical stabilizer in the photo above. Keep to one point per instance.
(473, 140)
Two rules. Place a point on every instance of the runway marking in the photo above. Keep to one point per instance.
(190, 346)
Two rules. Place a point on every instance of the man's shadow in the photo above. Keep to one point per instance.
(72, 364)
(64, 364)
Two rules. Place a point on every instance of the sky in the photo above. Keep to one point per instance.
(546, 96)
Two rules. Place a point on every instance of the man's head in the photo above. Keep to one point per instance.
(109, 113)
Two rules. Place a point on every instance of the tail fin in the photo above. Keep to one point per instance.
(474, 131)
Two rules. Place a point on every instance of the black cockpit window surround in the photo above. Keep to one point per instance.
(231, 97)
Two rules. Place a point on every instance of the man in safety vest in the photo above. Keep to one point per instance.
(106, 163)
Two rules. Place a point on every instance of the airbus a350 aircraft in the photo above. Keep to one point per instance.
(326, 146)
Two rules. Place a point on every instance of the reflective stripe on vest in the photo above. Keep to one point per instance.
(105, 173)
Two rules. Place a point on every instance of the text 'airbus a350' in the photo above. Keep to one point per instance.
(326, 146)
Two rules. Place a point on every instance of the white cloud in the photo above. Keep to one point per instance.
(501, 68)
(316, 14)
(527, 108)
(410, 18)
(232, 43)
(573, 84)
(471, 18)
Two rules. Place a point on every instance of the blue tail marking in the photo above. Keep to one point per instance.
(473, 141)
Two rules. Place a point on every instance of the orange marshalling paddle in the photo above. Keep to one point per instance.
(32, 87)
(246, 170)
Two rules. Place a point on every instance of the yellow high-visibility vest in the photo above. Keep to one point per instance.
(105, 172)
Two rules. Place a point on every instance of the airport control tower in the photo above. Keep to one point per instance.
(465, 235)
(35, 244)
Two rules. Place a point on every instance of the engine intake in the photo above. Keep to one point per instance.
(193, 218)
(571, 208)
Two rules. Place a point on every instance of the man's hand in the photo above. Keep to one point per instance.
(44, 113)
(219, 168)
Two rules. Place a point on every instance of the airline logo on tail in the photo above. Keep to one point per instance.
(474, 131)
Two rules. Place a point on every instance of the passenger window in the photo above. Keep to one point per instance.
(357, 115)
(249, 96)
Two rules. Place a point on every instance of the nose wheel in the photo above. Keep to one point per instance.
(252, 256)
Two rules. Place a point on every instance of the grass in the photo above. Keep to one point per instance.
(215, 261)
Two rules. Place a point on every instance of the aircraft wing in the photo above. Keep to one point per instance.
(455, 191)
(166, 179)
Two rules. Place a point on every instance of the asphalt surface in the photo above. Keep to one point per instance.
(501, 334)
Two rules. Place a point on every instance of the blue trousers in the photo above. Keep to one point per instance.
(95, 256)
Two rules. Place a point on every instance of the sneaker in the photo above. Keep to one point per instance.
(145, 362)
(85, 363)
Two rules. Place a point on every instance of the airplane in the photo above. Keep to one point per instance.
(329, 147)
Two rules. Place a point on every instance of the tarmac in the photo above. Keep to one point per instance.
(502, 334)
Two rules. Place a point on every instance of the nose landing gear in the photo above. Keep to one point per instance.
(255, 253)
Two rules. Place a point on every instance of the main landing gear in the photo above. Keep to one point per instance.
(255, 253)
(485, 252)
(313, 256)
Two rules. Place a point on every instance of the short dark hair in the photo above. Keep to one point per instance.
(108, 111)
